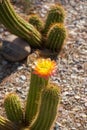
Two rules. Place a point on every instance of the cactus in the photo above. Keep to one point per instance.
(36, 22)
(7, 125)
(55, 15)
(42, 101)
(13, 108)
(17, 25)
(48, 108)
(43, 67)
(36, 85)
(56, 37)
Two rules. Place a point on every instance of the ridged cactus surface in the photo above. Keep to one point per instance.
(48, 108)
(36, 86)
(56, 14)
(56, 37)
(13, 108)
(17, 25)
(36, 22)
(6, 124)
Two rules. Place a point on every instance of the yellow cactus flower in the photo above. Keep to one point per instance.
(44, 67)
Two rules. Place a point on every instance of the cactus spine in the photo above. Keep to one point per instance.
(13, 108)
(55, 15)
(36, 22)
(6, 124)
(17, 25)
(48, 109)
(36, 85)
(56, 37)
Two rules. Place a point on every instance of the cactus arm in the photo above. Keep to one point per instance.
(13, 108)
(55, 15)
(17, 25)
(36, 22)
(36, 85)
(56, 37)
(7, 125)
(48, 109)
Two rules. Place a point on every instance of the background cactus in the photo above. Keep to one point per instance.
(55, 37)
(51, 37)
(13, 108)
(36, 22)
(48, 108)
(55, 15)
(17, 25)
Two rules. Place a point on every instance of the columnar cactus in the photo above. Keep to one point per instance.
(36, 22)
(48, 108)
(18, 25)
(55, 37)
(42, 101)
(55, 15)
(13, 108)
(37, 83)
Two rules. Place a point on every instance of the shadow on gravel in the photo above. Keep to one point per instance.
(7, 68)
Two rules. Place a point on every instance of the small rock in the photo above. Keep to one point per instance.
(20, 67)
(86, 104)
(23, 77)
(14, 48)
(4, 62)
(1, 30)
(77, 97)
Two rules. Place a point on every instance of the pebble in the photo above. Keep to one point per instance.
(23, 77)
(1, 30)
(20, 67)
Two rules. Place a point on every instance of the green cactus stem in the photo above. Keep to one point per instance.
(55, 15)
(17, 25)
(13, 108)
(7, 125)
(36, 22)
(48, 109)
(56, 37)
(36, 85)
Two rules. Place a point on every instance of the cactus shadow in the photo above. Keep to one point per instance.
(7, 68)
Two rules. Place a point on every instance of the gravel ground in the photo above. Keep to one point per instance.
(72, 68)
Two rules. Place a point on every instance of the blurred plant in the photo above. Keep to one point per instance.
(50, 35)
(42, 101)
